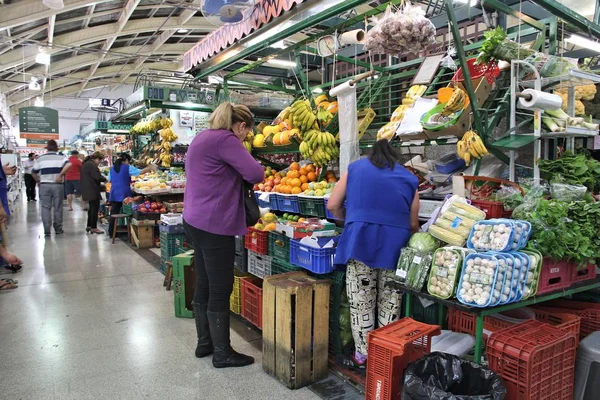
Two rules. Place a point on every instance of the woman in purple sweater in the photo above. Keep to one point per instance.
(217, 163)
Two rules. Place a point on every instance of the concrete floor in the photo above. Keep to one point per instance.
(91, 320)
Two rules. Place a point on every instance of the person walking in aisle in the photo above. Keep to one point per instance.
(120, 178)
(29, 181)
(212, 218)
(91, 180)
(72, 178)
(371, 242)
(49, 171)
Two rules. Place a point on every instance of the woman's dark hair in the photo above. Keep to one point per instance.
(119, 162)
(383, 155)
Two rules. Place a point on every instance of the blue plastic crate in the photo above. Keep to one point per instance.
(329, 215)
(271, 204)
(288, 203)
(170, 228)
(319, 261)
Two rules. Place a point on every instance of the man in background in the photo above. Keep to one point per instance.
(29, 181)
(49, 171)
(72, 185)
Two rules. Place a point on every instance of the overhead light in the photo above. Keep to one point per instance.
(183, 30)
(584, 42)
(117, 131)
(34, 85)
(263, 37)
(42, 58)
(39, 102)
(282, 63)
(54, 4)
(317, 90)
(471, 3)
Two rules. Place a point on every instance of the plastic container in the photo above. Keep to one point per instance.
(170, 228)
(554, 275)
(259, 265)
(490, 71)
(170, 244)
(588, 312)
(252, 301)
(289, 203)
(329, 215)
(235, 300)
(533, 275)
(171, 219)
(449, 163)
(140, 216)
(458, 344)
(127, 209)
(279, 246)
(391, 349)
(445, 270)
(319, 261)
(521, 279)
(282, 267)
(587, 373)
(484, 278)
(313, 206)
(508, 273)
(481, 239)
(270, 204)
(257, 241)
(535, 360)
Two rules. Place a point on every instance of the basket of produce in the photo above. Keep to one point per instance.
(477, 70)
(496, 197)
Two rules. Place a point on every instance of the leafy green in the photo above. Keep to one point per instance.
(575, 169)
(423, 242)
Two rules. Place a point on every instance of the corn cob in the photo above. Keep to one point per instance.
(461, 230)
(467, 210)
(446, 236)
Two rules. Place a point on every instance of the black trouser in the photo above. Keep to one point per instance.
(93, 208)
(30, 186)
(213, 262)
(115, 208)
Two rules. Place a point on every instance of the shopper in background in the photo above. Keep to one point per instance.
(372, 240)
(72, 178)
(216, 166)
(29, 181)
(5, 171)
(91, 180)
(120, 178)
(49, 171)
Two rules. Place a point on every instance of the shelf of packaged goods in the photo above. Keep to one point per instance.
(481, 313)
(572, 78)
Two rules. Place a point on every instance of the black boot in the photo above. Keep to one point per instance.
(205, 346)
(224, 356)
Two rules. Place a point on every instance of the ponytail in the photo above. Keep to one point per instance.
(227, 114)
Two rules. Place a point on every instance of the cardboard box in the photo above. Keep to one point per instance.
(295, 232)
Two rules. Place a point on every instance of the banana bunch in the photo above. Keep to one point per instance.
(416, 91)
(319, 146)
(166, 159)
(167, 134)
(166, 122)
(302, 115)
(456, 103)
(166, 146)
(324, 116)
(471, 147)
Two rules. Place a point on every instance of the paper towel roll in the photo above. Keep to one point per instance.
(541, 100)
(353, 37)
(341, 89)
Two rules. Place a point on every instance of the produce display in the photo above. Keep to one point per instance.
(477, 285)
(498, 235)
(574, 169)
(444, 273)
(145, 205)
(388, 131)
(296, 180)
(159, 181)
(558, 120)
(453, 224)
(167, 136)
(415, 260)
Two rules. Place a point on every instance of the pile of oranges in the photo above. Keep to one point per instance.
(296, 180)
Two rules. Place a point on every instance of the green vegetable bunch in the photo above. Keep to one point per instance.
(576, 169)
(497, 47)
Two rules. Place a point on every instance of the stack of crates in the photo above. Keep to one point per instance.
(171, 244)
(235, 300)
(241, 255)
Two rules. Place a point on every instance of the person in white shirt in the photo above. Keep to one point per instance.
(29, 180)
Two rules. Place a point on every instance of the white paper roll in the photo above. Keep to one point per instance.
(353, 37)
(541, 100)
(349, 149)
(343, 88)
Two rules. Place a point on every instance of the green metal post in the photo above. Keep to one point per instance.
(265, 86)
(478, 338)
(566, 14)
(553, 35)
(226, 90)
(407, 305)
(463, 63)
(507, 10)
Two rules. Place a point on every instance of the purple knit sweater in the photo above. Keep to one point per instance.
(215, 165)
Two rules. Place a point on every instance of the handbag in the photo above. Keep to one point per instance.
(250, 204)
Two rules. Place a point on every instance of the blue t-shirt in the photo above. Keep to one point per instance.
(377, 226)
(133, 171)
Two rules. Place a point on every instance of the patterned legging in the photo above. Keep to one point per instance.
(370, 292)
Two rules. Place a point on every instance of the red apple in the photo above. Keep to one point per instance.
(268, 189)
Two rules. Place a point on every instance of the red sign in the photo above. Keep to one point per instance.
(263, 12)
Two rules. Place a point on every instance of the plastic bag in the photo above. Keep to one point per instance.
(510, 196)
(566, 192)
(441, 376)
(448, 60)
(533, 194)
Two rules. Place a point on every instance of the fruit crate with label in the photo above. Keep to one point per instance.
(257, 241)
(313, 206)
(279, 246)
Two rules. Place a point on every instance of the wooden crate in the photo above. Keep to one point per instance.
(142, 236)
(295, 328)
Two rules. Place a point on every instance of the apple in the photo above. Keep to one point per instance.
(261, 186)
(277, 181)
(268, 189)
(255, 188)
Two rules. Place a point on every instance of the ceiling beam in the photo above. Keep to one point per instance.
(50, 39)
(18, 39)
(123, 19)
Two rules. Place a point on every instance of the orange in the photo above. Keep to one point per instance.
(290, 174)
(304, 187)
(311, 177)
(310, 168)
(294, 174)
(296, 182)
(303, 178)
(329, 174)
(288, 189)
(303, 171)
(331, 180)
(294, 166)
(270, 227)
(276, 140)
(284, 181)
(296, 190)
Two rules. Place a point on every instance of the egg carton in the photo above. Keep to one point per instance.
(533, 274)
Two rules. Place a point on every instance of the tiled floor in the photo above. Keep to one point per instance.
(91, 320)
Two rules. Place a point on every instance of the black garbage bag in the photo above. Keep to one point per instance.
(441, 376)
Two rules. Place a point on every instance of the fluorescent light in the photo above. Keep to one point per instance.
(183, 30)
(584, 42)
(282, 63)
(261, 38)
(117, 131)
(187, 104)
(34, 85)
(39, 102)
(317, 90)
(215, 80)
(42, 58)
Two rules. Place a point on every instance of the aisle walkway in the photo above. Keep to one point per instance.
(91, 320)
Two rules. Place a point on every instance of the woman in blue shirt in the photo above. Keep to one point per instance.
(120, 178)
(381, 213)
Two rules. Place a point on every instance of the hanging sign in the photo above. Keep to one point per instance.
(262, 13)
(38, 124)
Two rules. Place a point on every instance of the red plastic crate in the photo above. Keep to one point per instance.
(588, 312)
(553, 276)
(252, 301)
(490, 71)
(391, 349)
(535, 360)
(492, 209)
(257, 241)
(580, 275)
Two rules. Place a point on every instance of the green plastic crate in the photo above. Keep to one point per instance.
(312, 206)
(184, 284)
(171, 244)
(127, 209)
(281, 267)
(336, 294)
(430, 314)
(279, 246)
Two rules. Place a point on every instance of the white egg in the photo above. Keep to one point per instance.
(506, 290)
(470, 263)
(477, 260)
(463, 292)
(470, 292)
(485, 296)
(529, 277)
(481, 302)
(504, 298)
(496, 293)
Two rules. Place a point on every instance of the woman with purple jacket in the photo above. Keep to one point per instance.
(216, 166)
